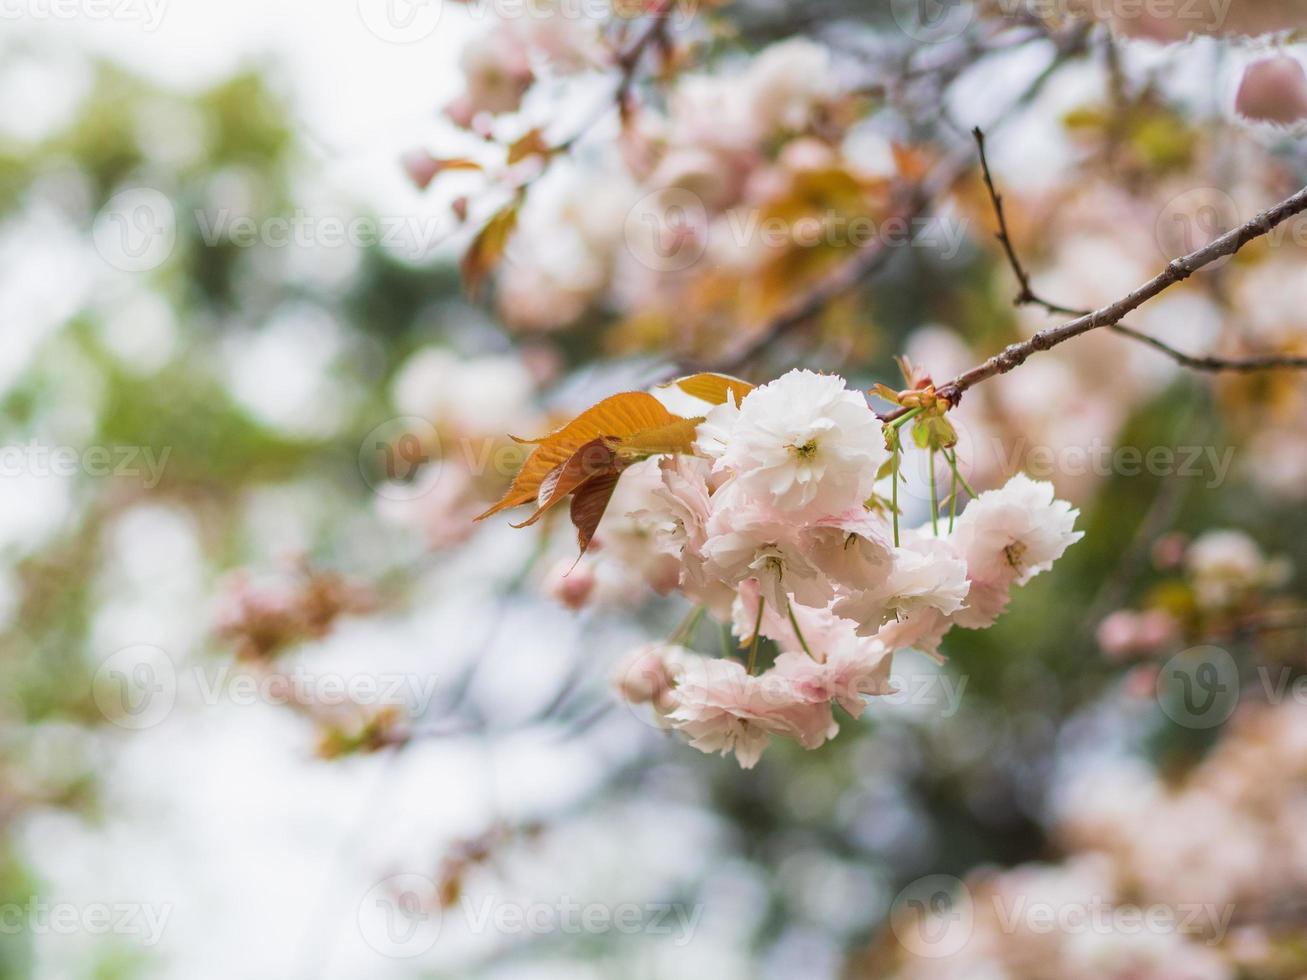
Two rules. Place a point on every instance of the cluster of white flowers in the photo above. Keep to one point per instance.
(776, 528)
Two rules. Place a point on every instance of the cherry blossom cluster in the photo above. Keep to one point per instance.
(776, 526)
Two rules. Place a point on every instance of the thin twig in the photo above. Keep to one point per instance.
(1014, 355)
(1026, 296)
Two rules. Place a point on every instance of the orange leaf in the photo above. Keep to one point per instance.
(615, 417)
(677, 437)
(593, 459)
(488, 247)
(531, 144)
(588, 506)
(714, 389)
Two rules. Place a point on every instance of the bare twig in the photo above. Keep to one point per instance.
(1014, 355)
(1247, 365)
(1026, 296)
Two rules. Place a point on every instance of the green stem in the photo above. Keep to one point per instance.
(689, 624)
(953, 499)
(757, 630)
(934, 498)
(894, 489)
(798, 632)
(906, 416)
(953, 461)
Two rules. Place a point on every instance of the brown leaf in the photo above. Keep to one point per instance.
(532, 144)
(593, 459)
(488, 247)
(615, 417)
(714, 389)
(588, 505)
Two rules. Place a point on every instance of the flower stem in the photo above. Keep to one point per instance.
(799, 632)
(685, 632)
(953, 499)
(953, 462)
(757, 631)
(894, 488)
(898, 422)
(934, 497)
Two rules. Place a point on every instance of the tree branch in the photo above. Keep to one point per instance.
(1026, 296)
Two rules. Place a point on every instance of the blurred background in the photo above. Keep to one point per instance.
(274, 706)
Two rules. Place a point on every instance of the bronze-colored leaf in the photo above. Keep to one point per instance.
(588, 505)
(614, 417)
(531, 144)
(593, 459)
(714, 389)
(488, 246)
(676, 437)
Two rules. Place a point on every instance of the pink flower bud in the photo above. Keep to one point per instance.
(421, 167)
(1273, 90)
(572, 586)
(645, 676)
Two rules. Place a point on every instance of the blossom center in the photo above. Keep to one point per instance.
(806, 451)
(1014, 553)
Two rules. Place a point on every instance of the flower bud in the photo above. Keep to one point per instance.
(572, 586)
(1273, 90)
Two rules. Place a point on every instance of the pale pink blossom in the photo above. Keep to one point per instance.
(747, 539)
(720, 707)
(926, 574)
(1127, 633)
(853, 549)
(1007, 537)
(804, 443)
(1224, 565)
